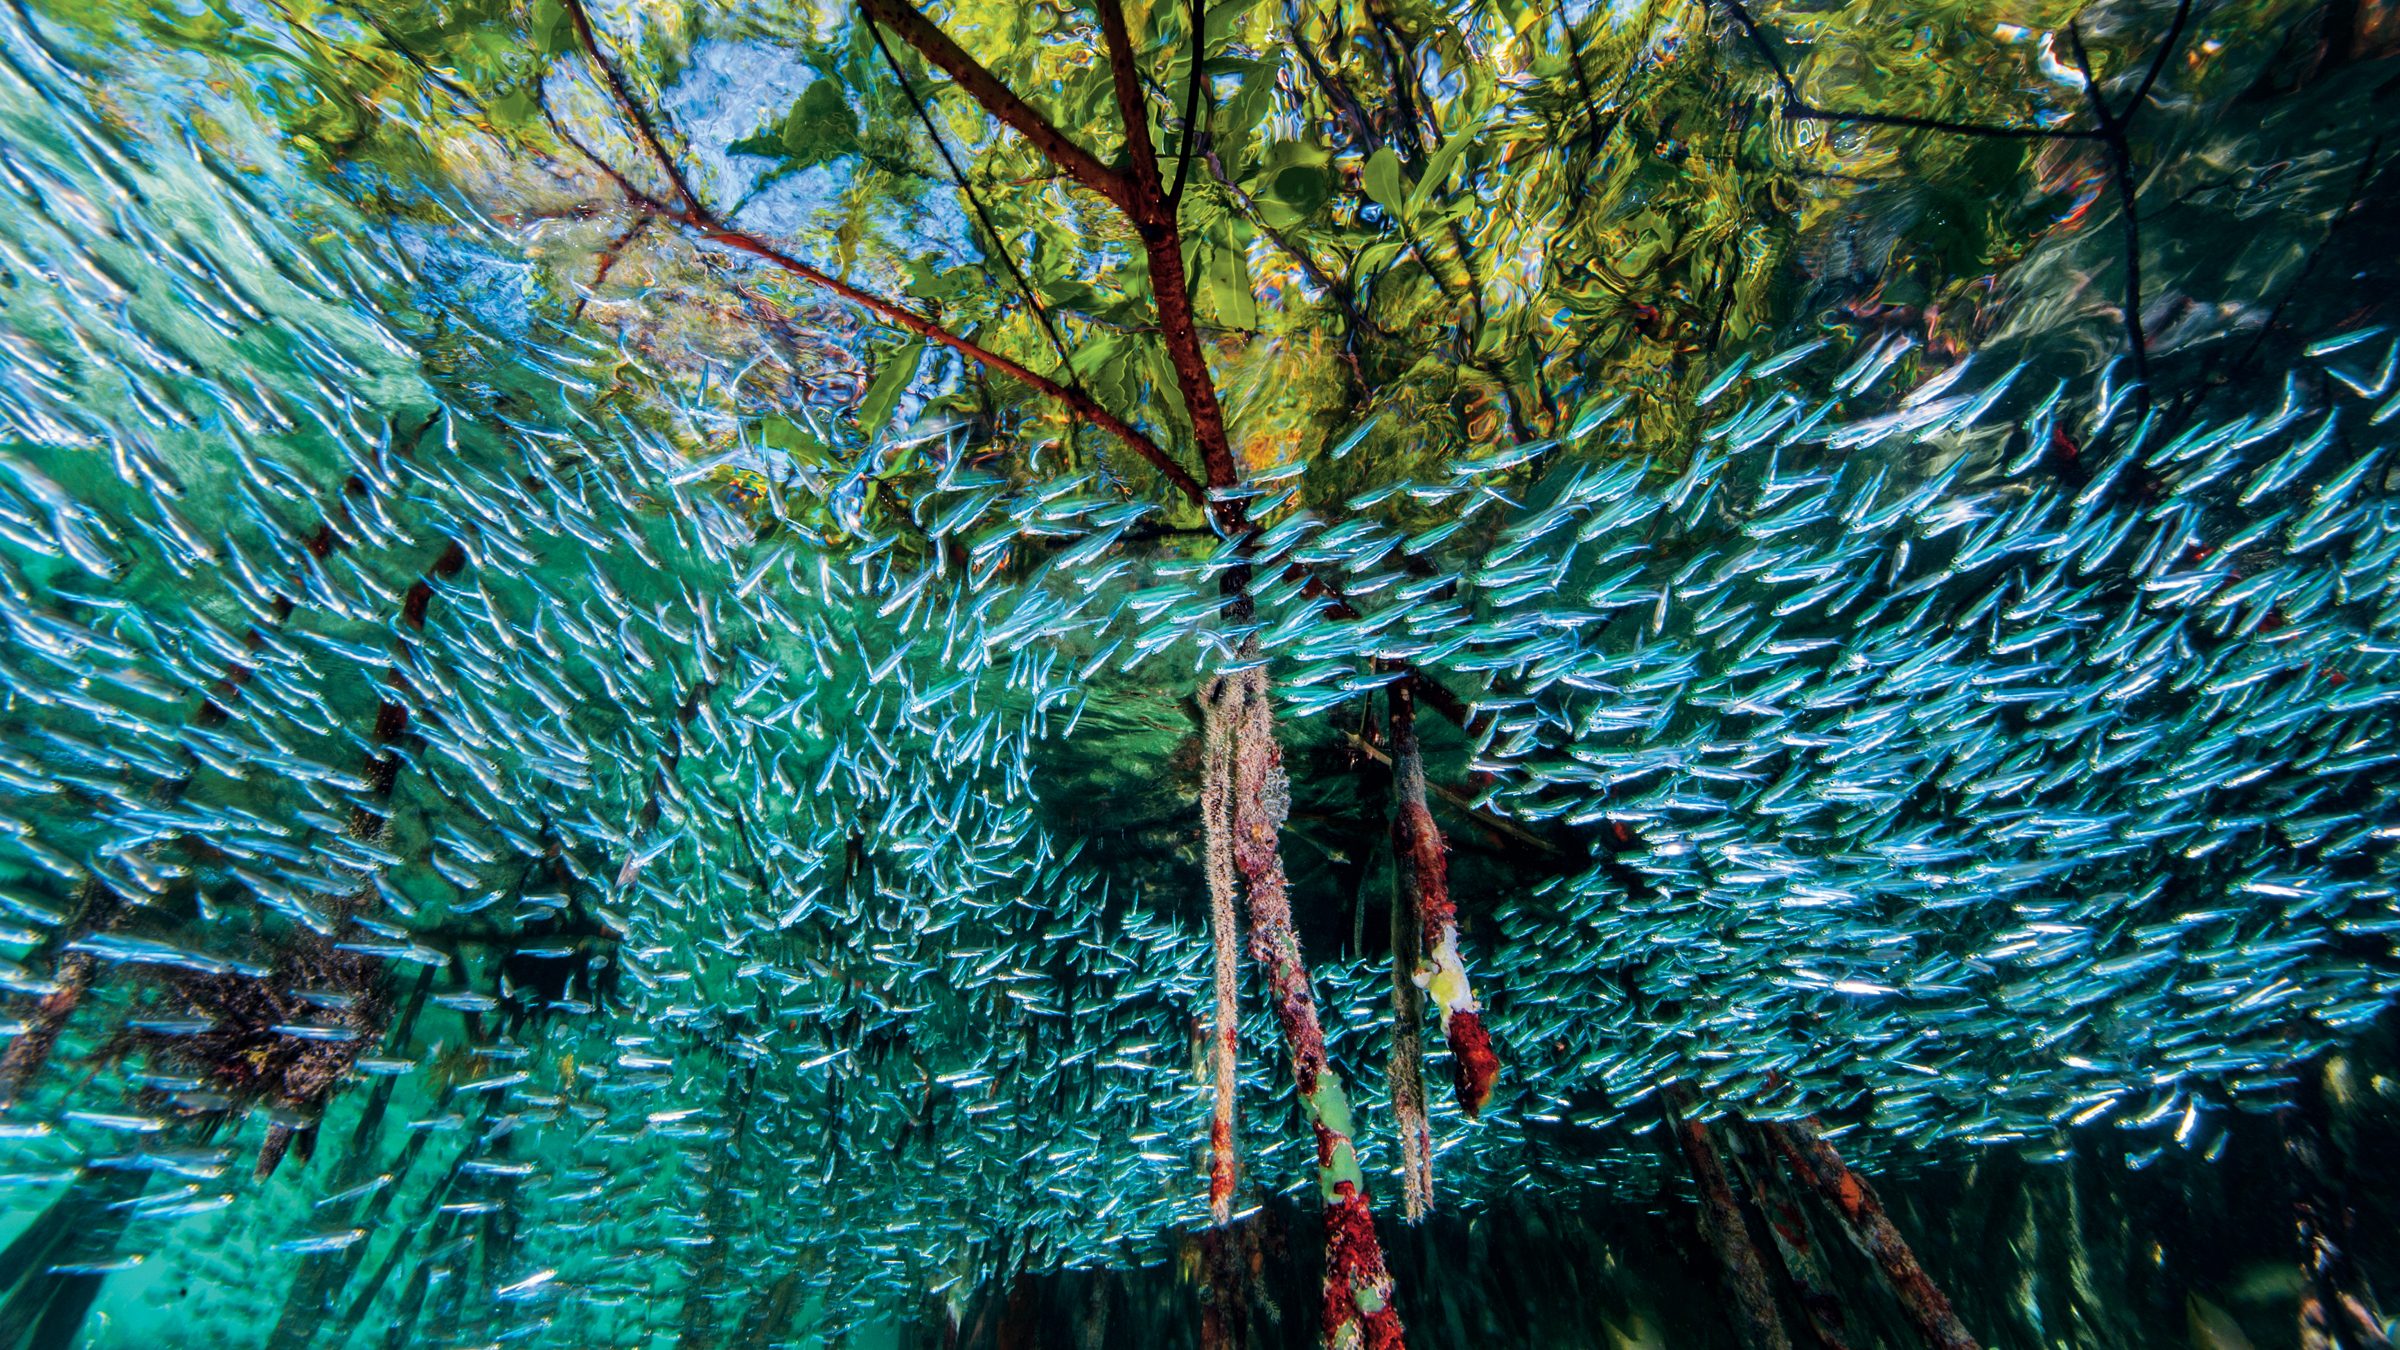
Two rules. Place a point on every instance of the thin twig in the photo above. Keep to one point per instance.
(1291, 248)
(1423, 133)
(610, 255)
(1193, 133)
(941, 145)
(2158, 62)
(1496, 824)
(2120, 172)
(1796, 106)
(623, 94)
(695, 216)
(999, 100)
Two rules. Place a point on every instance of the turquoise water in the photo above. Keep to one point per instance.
(501, 843)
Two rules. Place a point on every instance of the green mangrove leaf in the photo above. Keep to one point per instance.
(1383, 181)
(819, 127)
(875, 410)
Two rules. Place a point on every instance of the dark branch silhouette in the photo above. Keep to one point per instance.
(2120, 172)
(1796, 106)
(1194, 133)
(2109, 128)
(941, 145)
(998, 99)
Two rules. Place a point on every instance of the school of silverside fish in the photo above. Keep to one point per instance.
(1956, 790)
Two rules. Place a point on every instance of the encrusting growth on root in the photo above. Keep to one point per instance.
(1216, 816)
(1408, 1063)
(2337, 1308)
(1425, 884)
(1817, 1165)
(70, 979)
(1408, 1018)
(1724, 1228)
(1357, 1307)
(1792, 1236)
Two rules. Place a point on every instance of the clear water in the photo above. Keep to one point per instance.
(518, 825)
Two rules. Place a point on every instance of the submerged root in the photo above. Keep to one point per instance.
(1216, 816)
(1425, 881)
(97, 911)
(286, 1039)
(1407, 1070)
(1407, 1066)
(1357, 1307)
(1818, 1166)
(1724, 1228)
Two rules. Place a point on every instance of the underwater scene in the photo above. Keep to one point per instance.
(1006, 674)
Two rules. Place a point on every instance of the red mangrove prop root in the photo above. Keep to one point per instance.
(1357, 1309)
(1819, 1167)
(1216, 816)
(1724, 1228)
(1425, 880)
